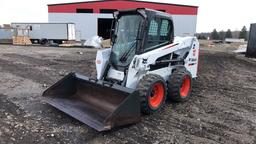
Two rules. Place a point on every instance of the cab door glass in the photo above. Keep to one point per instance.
(158, 33)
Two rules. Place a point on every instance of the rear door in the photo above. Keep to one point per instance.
(71, 32)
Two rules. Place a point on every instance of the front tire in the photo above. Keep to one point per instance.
(152, 91)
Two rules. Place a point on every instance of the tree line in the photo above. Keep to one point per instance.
(222, 35)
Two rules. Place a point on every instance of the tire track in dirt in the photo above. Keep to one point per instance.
(44, 70)
(226, 91)
(221, 109)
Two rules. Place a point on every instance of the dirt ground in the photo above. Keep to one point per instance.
(222, 108)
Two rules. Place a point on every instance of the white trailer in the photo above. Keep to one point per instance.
(45, 32)
(234, 40)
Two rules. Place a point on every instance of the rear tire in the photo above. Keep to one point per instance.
(180, 85)
(152, 91)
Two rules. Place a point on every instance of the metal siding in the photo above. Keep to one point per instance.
(6, 33)
(251, 47)
(96, 6)
(154, 2)
(87, 23)
(184, 25)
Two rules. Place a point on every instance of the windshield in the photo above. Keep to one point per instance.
(126, 32)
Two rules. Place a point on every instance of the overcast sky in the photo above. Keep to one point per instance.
(219, 14)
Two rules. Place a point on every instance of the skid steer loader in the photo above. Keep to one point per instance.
(145, 66)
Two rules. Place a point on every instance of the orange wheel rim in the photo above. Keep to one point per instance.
(157, 95)
(185, 87)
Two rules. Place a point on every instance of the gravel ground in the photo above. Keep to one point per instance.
(222, 108)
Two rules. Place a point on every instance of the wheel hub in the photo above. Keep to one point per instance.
(185, 87)
(157, 95)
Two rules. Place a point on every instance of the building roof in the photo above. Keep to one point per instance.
(124, 0)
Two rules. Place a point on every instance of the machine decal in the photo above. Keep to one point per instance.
(191, 64)
(170, 46)
(194, 52)
(192, 59)
(144, 61)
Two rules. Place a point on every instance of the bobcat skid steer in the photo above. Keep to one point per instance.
(145, 66)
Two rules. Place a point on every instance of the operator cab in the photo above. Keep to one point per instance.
(138, 31)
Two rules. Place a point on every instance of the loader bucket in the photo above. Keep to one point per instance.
(98, 104)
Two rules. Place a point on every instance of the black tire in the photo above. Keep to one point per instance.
(152, 91)
(44, 42)
(180, 85)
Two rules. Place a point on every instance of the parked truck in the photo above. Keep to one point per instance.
(44, 33)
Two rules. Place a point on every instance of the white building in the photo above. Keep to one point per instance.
(95, 17)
